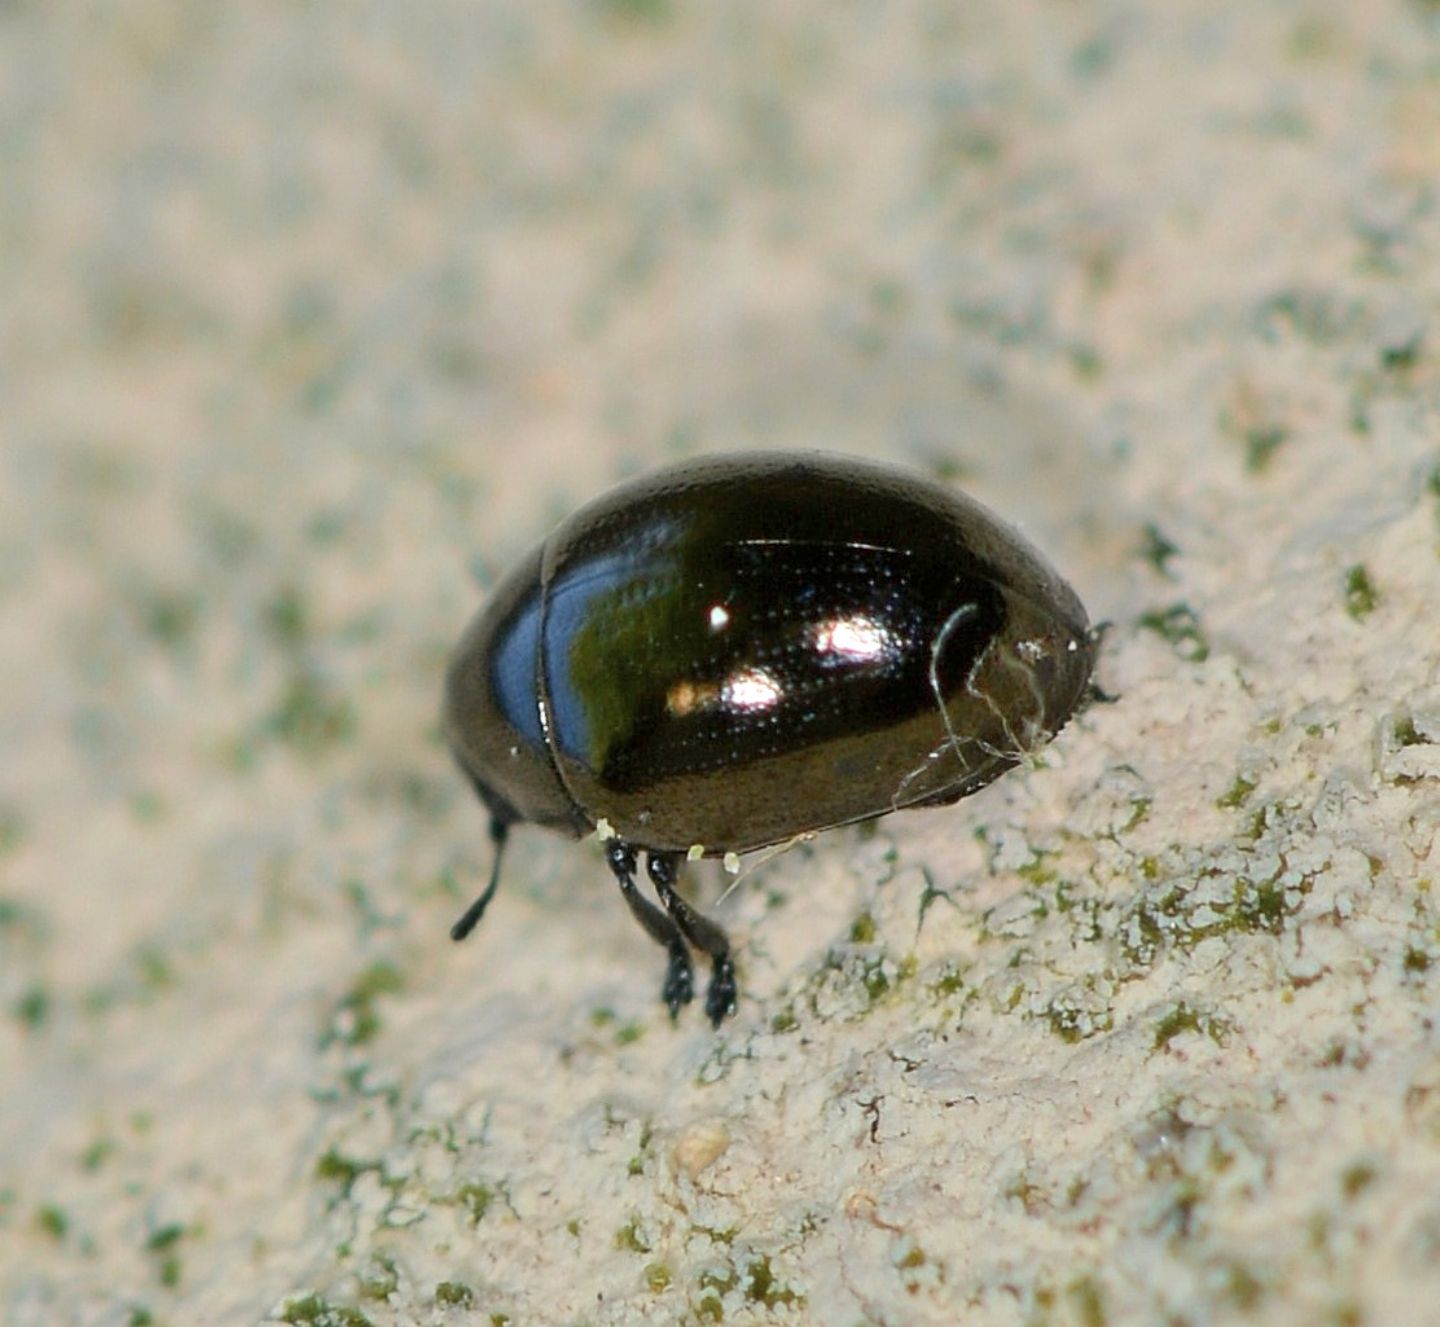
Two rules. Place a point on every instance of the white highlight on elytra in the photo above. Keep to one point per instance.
(746, 689)
(857, 639)
(719, 617)
(751, 689)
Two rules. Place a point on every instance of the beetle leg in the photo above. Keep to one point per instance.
(499, 833)
(679, 988)
(700, 931)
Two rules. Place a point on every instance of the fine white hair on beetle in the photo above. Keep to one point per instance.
(952, 740)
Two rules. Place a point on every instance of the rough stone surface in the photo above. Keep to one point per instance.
(315, 316)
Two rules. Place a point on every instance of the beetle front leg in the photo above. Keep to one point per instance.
(700, 931)
(679, 987)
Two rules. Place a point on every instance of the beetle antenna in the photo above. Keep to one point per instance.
(499, 833)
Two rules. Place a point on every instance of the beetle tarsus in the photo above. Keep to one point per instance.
(679, 987)
(700, 931)
(720, 997)
(499, 833)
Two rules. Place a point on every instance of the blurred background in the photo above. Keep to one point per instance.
(313, 317)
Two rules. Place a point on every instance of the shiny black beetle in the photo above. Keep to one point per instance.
(742, 649)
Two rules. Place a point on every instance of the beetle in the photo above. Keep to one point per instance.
(746, 648)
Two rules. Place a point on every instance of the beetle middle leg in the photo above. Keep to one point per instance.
(679, 987)
(700, 931)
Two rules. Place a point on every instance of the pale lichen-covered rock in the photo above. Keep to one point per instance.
(310, 325)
